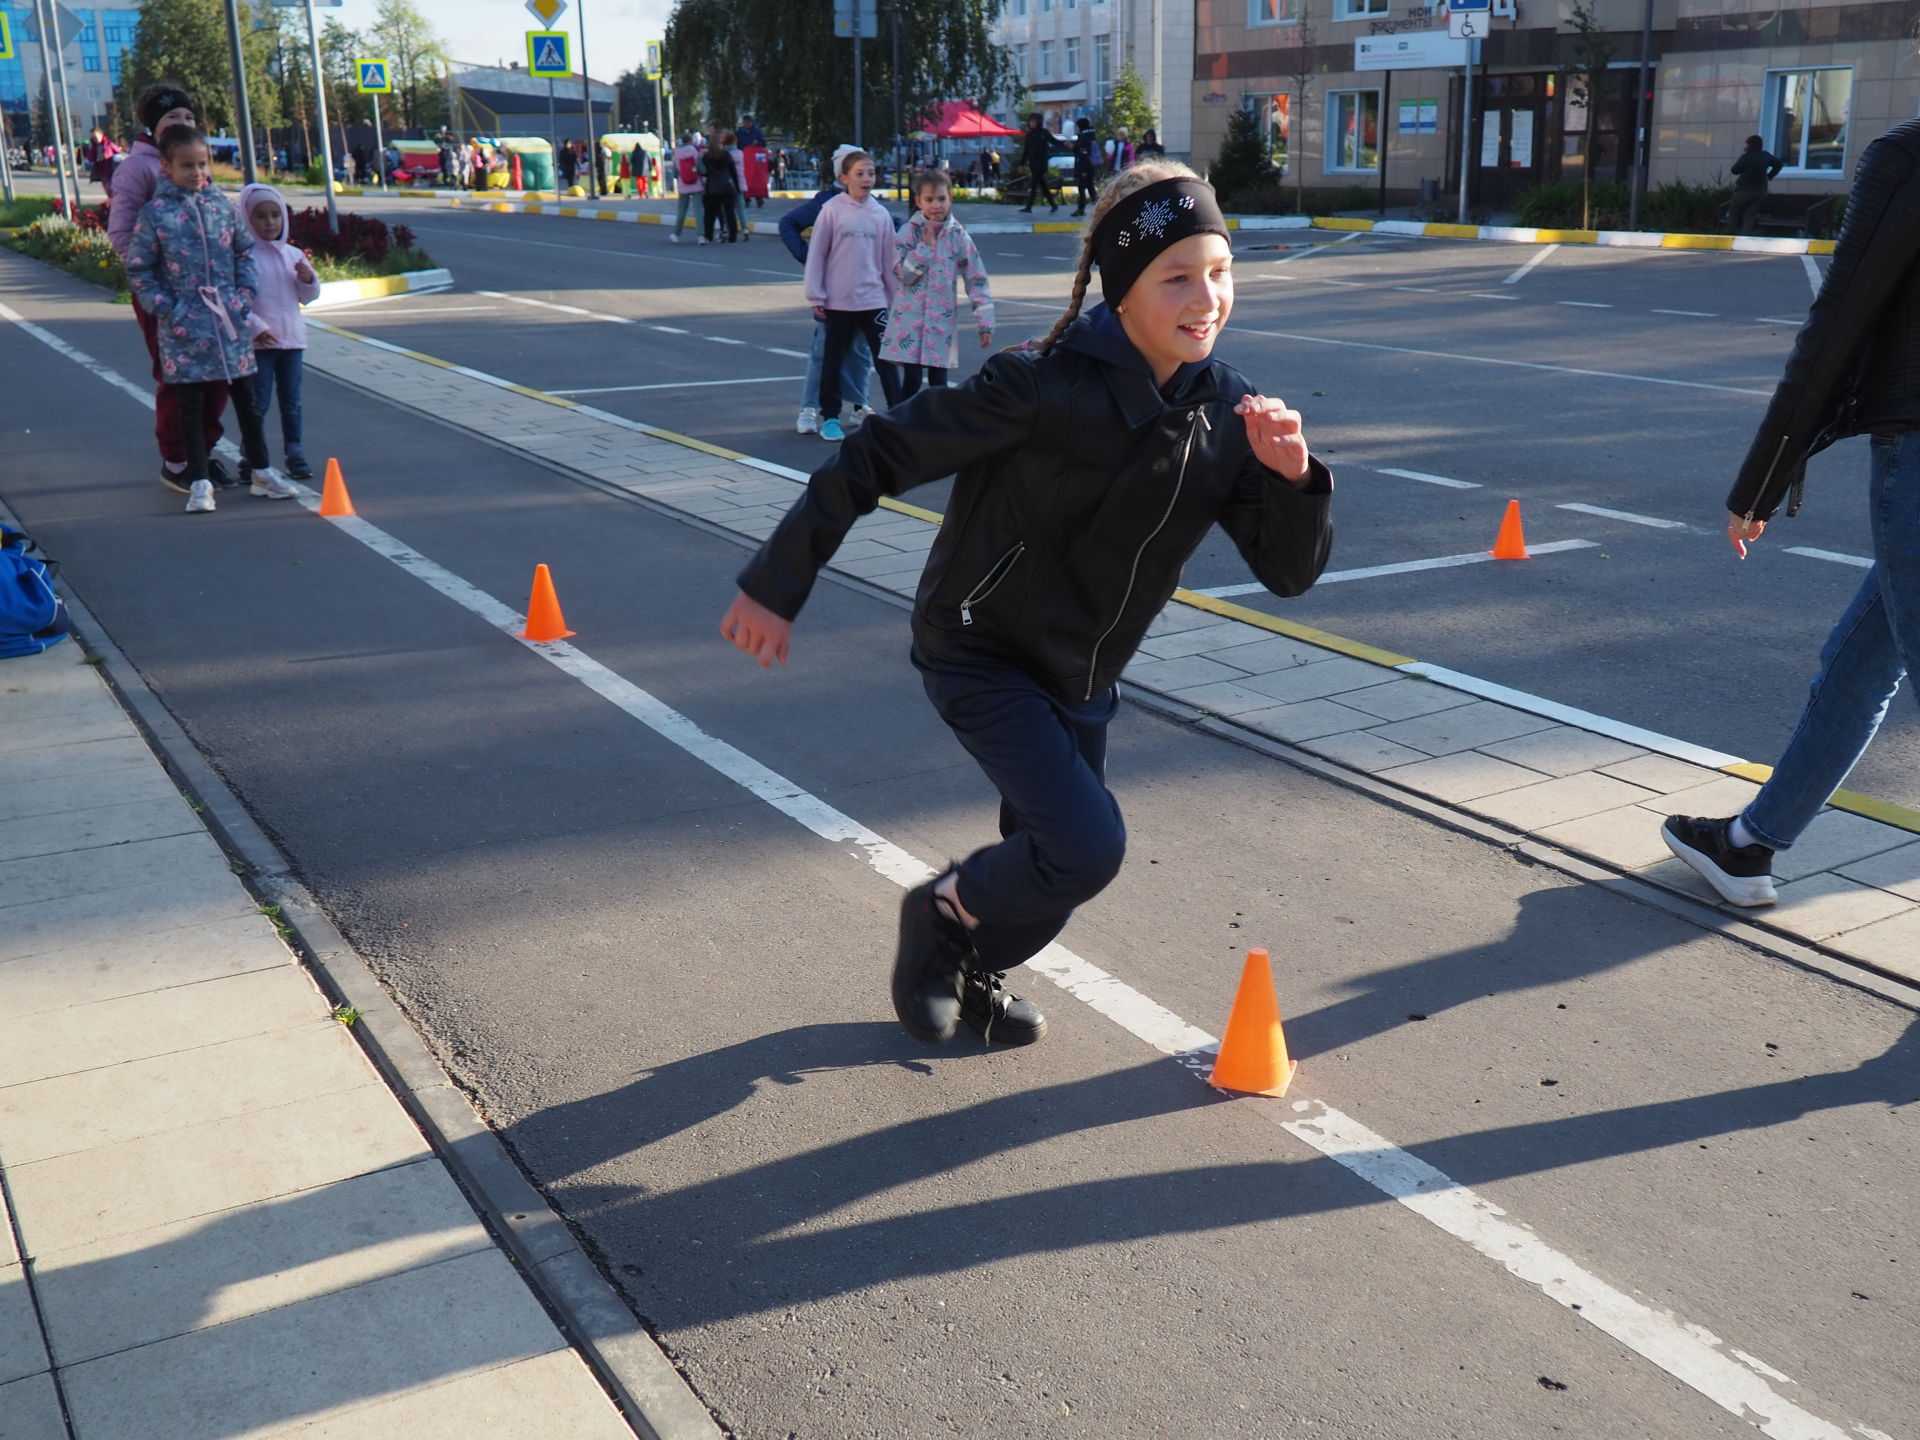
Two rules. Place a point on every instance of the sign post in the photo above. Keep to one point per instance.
(6, 165)
(547, 56)
(855, 20)
(1468, 20)
(242, 108)
(653, 74)
(376, 79)
(50, 64)
(320, 102)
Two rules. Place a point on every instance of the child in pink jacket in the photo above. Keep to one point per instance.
(284, 282)
(850, 281)
(931, 255)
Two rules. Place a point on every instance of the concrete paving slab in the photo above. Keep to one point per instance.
(1174, 643)
(1893, 944)
(1662, 773)
(1318, 681)
(1822, 906)
(70, 1113)
(86, 790)
(41, 707)
(22, 1352)
(1895, 870)
(43, 762)
(102, 920)
(1175, 618)
(1405, 698)
(1363, 750)
(1564, 750)
(61, 669)
(1224, 697)
(1835, 839)
(248, 1377)
(1306, 720)
(176, 1020)
(538, 1399)
(61, 834)
(1467, 775)
(1464, 727)
(147, 1285)
(92, 1195)
(1182, 674)
(111, 868)
(106, 723)
(1571, 797)
(1723, 795)
(1628, 837)
(30, 1410)
(1262, 654)
(1676, 874)
(55, 979)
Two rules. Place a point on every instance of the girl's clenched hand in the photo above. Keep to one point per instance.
(754, 628)
(1275, 434)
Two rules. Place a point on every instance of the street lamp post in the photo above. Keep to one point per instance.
(320, 105)
(1640, 138)
(51, 63)
(242, 112)
(586, 102)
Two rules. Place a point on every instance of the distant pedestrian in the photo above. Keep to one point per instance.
(749, 133)
(1086, 165)
(1119, 151)
(360, 173)
(641, 165)
(858, 365)
(1036, 152)
(850, 282)
(191, 261)
(689, 189)
(1149, 147)
(283, 282)
(780, 168)
(449, 158)
(1751, 172)
(731, 140)
(756, 166)
(101, 154)
(567, 162)
(720, 179)
(931, 254)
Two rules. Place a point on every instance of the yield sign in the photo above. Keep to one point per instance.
(547, 11)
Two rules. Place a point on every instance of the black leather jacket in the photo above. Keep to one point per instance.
(1082, 490)
(1856, 364)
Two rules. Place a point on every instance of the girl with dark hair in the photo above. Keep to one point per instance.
(722, 177)
(1090, 466)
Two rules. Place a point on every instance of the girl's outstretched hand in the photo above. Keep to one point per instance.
(1740, 530)
(754, 628)
(1275, 434)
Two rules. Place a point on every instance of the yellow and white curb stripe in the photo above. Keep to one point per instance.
(413, 282)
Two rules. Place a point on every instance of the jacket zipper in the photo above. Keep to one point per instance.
(1133, 574)
(206, 253)
(990, 582)
(1767, 479)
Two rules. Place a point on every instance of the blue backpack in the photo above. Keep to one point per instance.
(31, 615)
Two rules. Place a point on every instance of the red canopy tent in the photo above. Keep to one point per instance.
(957, 120)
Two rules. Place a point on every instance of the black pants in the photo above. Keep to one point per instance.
(1744, 210)
(910, 378)
(193, 431)
(1062, 838)
(720, 206)
(1089, 192)
(842, 325)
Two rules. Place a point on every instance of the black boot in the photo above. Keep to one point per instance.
(997, 1016)
(934, 952)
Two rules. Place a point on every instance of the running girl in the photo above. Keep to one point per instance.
(850, 281)
(1089, 468)
(930, 254)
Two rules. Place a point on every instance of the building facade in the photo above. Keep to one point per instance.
(92, 59)
(1069, 53)
(1368, 92)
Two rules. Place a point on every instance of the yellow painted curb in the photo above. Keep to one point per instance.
(1820, 247)
(1442, 231)
(1289, 628)
(932, 517)
(1696, 242)
(1055, 227)
(1566, 237)
(1885, 811)
(1334, 222)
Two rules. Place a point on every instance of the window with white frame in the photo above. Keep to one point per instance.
(1102, 69)
(1275, 114)
(1273, 12)
(1019, 8)
(1805, 117)
(1070, 55)
(1020, 63)
(1046, 60)
(1361, 9)
(1353, 130)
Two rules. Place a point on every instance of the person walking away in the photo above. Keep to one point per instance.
(641, 165)
(1119, 152)
(931, 253)
(1089, 468)
(741, 227)
(100, 155)
(720, 182)
(859, 362)
(757, 167)
(850, 282)
(1854, 370)
(688, 187)
(190, 264)
(1086, 165)
(161, 106)
(1036, 153)
(1149, 147)
(1751, 172)
(283, 282)
(448, 157)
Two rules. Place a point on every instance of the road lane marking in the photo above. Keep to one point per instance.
(1404, 567)
(1417, 289)
(1696, 314)
(555, 305)
(1585, 304)
(1488, 295)
(354, 305)
(1430, 479)
(1779, 319)
(722, 340)
(1628, 516)
(1862, 561)
(1517, 276)
(676, 385)
(1814, 276)
(559, 245)
(670, 329)
(790, 354)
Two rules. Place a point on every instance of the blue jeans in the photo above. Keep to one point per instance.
(1872, 648)
(1062, 838)
(281, 370)
(697, 202)
(854, 370)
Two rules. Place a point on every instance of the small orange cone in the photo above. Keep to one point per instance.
(333, 495)
(1253, 1057)
(544, 620)
(1511, 543)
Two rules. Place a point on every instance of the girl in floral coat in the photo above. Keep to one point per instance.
(190, 266)
(931, 254)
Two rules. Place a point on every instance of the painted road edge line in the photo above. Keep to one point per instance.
(1422, 475)
(1402, 567)
(1653, 521)
(412, 282)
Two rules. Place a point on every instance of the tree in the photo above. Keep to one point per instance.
(339, 48)
(780, 61)
(1242, 163)
(412, 48)
(186, 40)
(1590, 83)
(1302, 75)
(636, 102)
(1129, 105)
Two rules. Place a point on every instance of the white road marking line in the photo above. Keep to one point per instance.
(563, 309)
(676, 385)
(1863, 561)
(1689, 1353)
(1627, 515)
(1779, 319)
(1417, 289)
(558, 245)
(722, 340)
(1815, 277)
(1429, 479)
(1517, 276)
(1487, 295)
(790, 354)
(1585, 304)
(1314, 248)
(354, 306)
(1404, 567)
(1696, 314)
(1497, 360)
(669, 330)
(1351, 284)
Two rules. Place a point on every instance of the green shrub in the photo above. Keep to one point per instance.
(25, 210)
(1685, 208)
(1242, 163)
(80, 250)
(1556, 206)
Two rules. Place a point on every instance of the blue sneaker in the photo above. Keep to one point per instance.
(831, 431)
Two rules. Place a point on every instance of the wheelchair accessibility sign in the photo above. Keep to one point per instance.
(376, 77)
(547, 53)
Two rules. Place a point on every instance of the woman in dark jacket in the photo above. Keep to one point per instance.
(1089, 468)
(1855, 370)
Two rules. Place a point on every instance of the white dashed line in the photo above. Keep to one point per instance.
(1695, 314)
(1374, 572)
(1834, 555)
(1430, 479)
(1517, 276)
(676, 385)
(1488, 295)
(1627, 515)
(1815, 277)
(1418, 289)
(1778, 320)
(669, 330)
(1586, 304)
(722, 340)
(790, 354)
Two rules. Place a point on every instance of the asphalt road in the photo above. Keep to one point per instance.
(669, 996)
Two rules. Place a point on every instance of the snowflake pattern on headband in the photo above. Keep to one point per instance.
(1154, 217)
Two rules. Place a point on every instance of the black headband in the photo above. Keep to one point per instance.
(158, 105)
(1148, 221)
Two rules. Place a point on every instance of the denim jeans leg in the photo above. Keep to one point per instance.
(810, 387)
(1862, 663)
(856, 370)
(293, 364)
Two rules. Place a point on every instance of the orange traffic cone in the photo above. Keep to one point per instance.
(1511, 543)
(333, 495)
(1253, 1057)
(544, 620)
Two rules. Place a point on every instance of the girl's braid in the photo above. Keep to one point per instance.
(1136, 177)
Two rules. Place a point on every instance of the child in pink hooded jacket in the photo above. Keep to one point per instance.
(284, 282)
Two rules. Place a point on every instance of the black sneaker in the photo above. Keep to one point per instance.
(175, 480)
(221, 476)
(995, 1015)
(934, 951)
(1743, 875)
(298, 468)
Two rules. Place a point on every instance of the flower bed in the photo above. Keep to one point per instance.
(78, 248)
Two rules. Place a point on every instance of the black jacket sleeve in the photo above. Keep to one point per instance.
(1283, 531)
(936, 433)
(1877, 245)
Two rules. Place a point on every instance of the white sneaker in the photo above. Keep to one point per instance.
(703, 240)
(674, 238)
(200, 497)
(859, 416)
(269, 484)
(807, 422)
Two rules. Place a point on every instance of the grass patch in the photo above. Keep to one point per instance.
(24, 210)
(397, 261)
(347, 1015)
(280, 926)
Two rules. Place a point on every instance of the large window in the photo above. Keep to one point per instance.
(1020, 63)
(1046, 59)
(1275, 113)
(1361, 9)
(1806, 117)
(1102, 69)
(1070, 56)
(90, 63)
(1353, 130)
(1273, 12)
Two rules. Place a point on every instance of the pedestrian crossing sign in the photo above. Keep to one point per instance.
(547, 53)
(6, 37)
(376, 77)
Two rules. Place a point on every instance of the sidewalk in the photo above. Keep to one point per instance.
(221, 1221)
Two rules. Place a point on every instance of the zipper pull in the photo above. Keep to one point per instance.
(966, 614)
(1205, 424)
